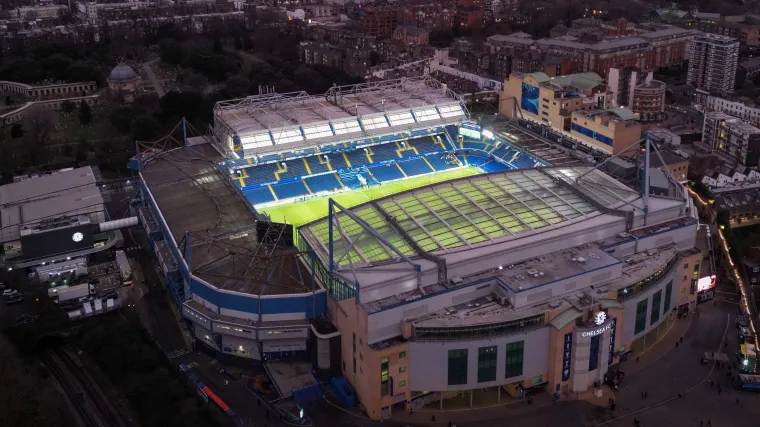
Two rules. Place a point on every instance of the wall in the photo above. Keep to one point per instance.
(629, 322)
(428, 370)
(386, 324)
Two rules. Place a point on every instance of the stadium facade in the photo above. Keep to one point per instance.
(522, 276)
(503, 282)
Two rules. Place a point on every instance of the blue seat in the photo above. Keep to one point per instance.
(261, 174)
(387, 172)
(294, 168)
(438, 163)
(259, 195)
(426, 144)
(494, 166)
(315, 164)
(384, 152)
(476, 160)
(415, 167)
(326, 182)
(337, 161)
(357, 157)
(290, 190)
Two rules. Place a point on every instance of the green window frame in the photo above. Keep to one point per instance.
(656, 300)
(457, 367)
(402, 355)
(402, 369)
(384, 377)
(401, 383)
(487, 364)
(515, 353)
(641, 316)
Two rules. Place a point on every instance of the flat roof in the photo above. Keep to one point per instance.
(47, 185)
(194, 197)
(488, 310)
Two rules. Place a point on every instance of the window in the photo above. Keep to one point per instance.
(668, 295)
(486, 364)
(655, 316)
(361, 342)
(401, 383)
(641, 316)
(514, 359)
(457, 367)
(402, 369)
(402, 355)
(361, 356)
(685, 266)
(684, 278)
(354, 342)
(354, 358)
(593, 358)
(384, 377)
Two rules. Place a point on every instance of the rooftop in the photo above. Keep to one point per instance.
(47, 185)
(193, 197)
(581, 81)
(270, 121)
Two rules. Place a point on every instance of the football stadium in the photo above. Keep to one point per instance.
(378, 239)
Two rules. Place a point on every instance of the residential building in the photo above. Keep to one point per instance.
(675, 164)
(747, 34)
(743, 108)
(411, 35)
(712, 63)
(379, 22)
(577, 105)
(469, 14)
(732, 137)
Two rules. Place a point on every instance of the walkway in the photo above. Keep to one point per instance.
(146, 66)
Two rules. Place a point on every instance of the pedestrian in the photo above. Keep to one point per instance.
(432, 418)
(711, 383)
(718, 390)
(737, 400)
(701, 423)
(449, 423)
(635, 421)
(681, 339)
(725, 345)
(637, 358)
(646, 394)
(613, 405)
(709, 423)
(676, 344)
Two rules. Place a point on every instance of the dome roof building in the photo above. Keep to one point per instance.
(123, 82)
(123, 73)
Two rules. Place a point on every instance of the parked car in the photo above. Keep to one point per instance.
(14, 299)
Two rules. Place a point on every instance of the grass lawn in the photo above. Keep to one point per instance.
(304, 212)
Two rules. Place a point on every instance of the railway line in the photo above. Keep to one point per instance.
(86, 396)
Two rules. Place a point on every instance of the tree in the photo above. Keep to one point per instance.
(121, 118)
(85, 113)
(144, 128)
(67, 106)
(374, 58)
(17, 131)
(441, 37)
(83, 71)
(237, 87)
(56, 65)
(170, 51)
(39, 123)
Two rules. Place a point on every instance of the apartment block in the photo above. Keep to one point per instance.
(732, 137)
(712, 63)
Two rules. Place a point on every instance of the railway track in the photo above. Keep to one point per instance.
(94, 410)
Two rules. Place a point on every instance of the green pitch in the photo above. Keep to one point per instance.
(300, 213)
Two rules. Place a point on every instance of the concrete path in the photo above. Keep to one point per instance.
(146, 66)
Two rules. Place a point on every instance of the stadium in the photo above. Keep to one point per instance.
(380, 219)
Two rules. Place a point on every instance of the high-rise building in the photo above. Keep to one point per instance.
(731, 136)
(712, 62)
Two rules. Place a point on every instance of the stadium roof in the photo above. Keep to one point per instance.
(272, 122)
(194, 198)
(470, 221)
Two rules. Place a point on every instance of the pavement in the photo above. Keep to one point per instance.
(146, 66)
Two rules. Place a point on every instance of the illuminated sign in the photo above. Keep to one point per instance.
(600, 317)
(598, 331)
(706, 283)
